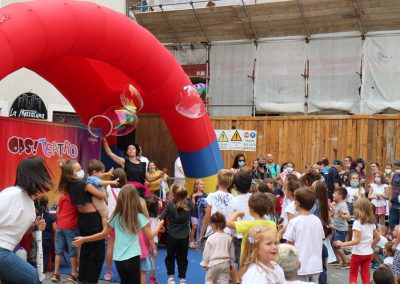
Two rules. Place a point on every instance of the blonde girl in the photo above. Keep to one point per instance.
(365, 235)
(260, 256)
(178, 232)
(127, 220)
(198, 193)
(378, 194)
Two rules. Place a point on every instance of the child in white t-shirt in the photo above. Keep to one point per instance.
(364, 231)
(290, 209)
(306, 233)
(217, 202)
(378, 196)
(261, 267)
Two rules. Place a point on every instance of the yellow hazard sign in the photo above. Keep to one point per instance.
(236, 136)
(222, 137)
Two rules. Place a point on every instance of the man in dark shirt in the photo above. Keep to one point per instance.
(332, 179)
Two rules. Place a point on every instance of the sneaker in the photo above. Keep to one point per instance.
(56, 278)
(153, 280)
(73, 279)
(182, 281)
(344, 266)
(108, 275)
(171, 280)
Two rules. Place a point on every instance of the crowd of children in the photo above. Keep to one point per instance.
(280, 229)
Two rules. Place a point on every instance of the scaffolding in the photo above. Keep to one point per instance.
(202, 21)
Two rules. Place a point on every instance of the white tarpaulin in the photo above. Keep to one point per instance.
(381, 74)
(334, 74)
(231, 85)
(187, 55)
(279, 84)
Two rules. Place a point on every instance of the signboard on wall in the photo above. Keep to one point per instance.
(28, 105)
(236, 139)
(22, 138)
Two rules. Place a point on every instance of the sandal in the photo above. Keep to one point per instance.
(56, 278)
(193, 245)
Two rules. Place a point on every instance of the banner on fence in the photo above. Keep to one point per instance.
(22, 138)
(236, 139)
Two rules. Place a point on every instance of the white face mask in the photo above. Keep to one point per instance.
(289, 169)
(388, 171)
(152, 170)
(80, 174)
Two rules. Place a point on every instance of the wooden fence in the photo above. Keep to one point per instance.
(299, 139)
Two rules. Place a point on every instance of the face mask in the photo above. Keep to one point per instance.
(378, 180)
(80, 174)
(354, 183)
(152, 170)
(261, 165)
(289, 169)
(397, 171)
(388, 171)
(241, 163)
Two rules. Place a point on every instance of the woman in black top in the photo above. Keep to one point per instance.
(135, 169)
(89, 220)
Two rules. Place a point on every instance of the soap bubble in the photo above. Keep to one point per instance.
(123, 120)
(131, 98)
(189, 103)
(100, 126)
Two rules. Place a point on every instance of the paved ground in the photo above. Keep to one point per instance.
(339, 276)
(336, 276)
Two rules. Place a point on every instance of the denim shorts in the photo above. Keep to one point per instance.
(63, 238)
(339, 236)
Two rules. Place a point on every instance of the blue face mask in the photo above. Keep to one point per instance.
(378, 180)
(354, 183)
(241, 163)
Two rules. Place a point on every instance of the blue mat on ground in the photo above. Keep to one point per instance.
(194, 273)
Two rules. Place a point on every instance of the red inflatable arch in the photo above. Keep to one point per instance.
(89, 52)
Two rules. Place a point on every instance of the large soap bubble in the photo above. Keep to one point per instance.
(123, 120)
(189, 103)
(100, 126)
(131, 98)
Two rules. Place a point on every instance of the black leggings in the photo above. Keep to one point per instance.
(92, 253)
(129, 270)
(177, 249)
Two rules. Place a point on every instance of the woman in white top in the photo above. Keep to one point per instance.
(17, 217)
(378, 195)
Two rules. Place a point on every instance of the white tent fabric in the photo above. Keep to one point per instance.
(279, 85)
(231, 85)
(381, 74)
(334, 74)
(187, 55)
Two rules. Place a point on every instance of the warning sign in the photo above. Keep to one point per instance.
(237, 139)
(236, 136)
(222, 137)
